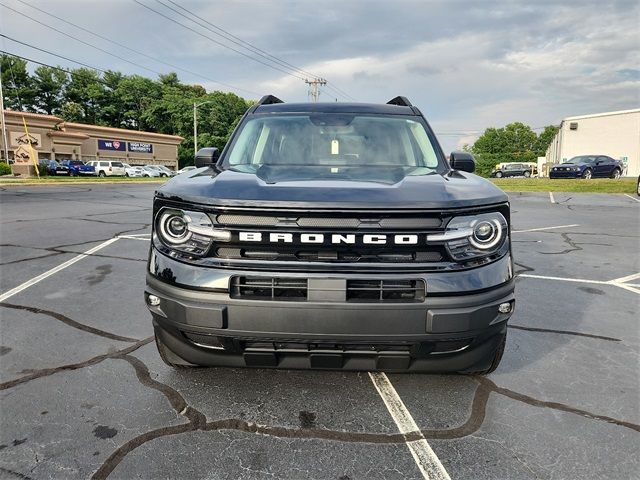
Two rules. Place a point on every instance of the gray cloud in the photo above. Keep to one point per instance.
(467, 64)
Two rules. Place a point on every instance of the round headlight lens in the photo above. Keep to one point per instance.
(486, 234)
(176, 227)
(173, 228)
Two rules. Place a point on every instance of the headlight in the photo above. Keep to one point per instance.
(473, 236)
(189, 232)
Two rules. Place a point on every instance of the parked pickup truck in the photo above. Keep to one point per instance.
(331, 236)
(77, 167)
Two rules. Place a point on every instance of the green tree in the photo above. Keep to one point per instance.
(135, 95)
(515, 142)
(49, 84)
(72, 112)
(86, 89)
(544, 140)
(18, 85)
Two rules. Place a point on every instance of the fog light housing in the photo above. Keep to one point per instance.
(505, 307)
(153, 300)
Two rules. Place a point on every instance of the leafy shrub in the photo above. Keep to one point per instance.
(5, 169)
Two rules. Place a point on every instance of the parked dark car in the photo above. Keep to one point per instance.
(52, 167)
(331, 236)
(77, 167)
(588, 166)
(513, 170)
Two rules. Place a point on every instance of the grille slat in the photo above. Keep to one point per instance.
(338, 222)
(234, 253)
(297, 289)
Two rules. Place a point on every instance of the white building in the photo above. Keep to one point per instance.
(616, 134)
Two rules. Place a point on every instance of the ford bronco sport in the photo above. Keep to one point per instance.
(331, 236)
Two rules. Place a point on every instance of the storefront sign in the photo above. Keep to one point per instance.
(140, 147)
(21, 138)
(112, 145)
(24, 154)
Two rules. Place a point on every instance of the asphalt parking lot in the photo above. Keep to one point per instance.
(84, 394)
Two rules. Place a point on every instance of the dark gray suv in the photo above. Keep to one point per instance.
(331, 236)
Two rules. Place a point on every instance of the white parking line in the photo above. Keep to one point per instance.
(544, 228)
(425, 458)
(616, 282)
(131, 237)
(54, 270)
(632, 198)
(564, 279)
(627, 278)
(553, 200)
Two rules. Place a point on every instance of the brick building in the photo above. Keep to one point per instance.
(55, 139)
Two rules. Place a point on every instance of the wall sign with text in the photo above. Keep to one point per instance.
(140, 147)
(116, 145)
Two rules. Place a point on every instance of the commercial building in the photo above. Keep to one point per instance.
(616, 134)
(53, 138)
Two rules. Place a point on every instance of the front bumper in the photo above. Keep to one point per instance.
(565, 174)
(449, 331)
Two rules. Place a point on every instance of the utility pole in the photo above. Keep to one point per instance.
(195, 129)
(4, 126)
(314, 93)
(195, 124)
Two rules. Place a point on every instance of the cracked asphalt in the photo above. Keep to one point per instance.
(83, 393)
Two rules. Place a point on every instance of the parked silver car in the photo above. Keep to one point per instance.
(149, 171)
(130, 171)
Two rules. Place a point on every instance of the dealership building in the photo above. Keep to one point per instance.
(54, 139)
(616, 134)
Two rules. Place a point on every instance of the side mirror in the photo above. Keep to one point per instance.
(462, 161)
(207, 157)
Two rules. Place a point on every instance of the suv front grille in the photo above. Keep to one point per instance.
(385, 290)
(435, 254)
(298, 289)
(326, 225)
(269, 288)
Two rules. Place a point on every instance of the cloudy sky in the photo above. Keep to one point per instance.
(468, 65)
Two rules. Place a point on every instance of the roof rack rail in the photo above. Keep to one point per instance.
(269, 100)
(401, 101)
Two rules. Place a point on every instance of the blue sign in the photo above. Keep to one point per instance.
(140, 147)
(112, 145)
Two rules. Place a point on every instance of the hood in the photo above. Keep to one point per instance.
(228, 188)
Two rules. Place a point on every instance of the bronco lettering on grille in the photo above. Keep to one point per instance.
(333, 239)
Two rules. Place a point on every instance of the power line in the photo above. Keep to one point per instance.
(248, 46)
(48, 52)
(237, 40)
(78, 39)
(136, 51)
(217, 42)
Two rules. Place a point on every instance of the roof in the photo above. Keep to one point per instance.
(605, 114)
(60, 133)
(121, 131)
(336, 107)
(41, 116)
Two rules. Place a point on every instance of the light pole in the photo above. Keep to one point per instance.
(4, 126)
(195, 124)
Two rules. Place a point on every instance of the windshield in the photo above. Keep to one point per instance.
(333, 146)
(582, 160)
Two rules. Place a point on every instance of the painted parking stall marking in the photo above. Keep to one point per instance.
(424, 456)
(55, 270)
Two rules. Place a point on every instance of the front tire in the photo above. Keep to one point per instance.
(101, 174)
(168, 357)
(616, 173)
(527, 174)
(587, 174)
(498, 174)
(126, 174)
